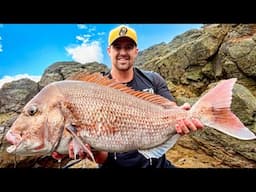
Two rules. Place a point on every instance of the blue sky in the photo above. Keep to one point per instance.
(26, 50)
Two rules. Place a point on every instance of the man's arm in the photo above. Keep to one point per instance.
(186, 125)
(161, 88)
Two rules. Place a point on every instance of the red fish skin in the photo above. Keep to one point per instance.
(114, 118)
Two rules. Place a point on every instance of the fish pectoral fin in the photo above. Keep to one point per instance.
(76, 148)
(78, 142)
(160, 150)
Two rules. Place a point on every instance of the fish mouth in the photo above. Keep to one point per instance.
(28, 149)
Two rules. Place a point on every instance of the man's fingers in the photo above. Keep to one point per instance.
(190, 125)
(197, 123)
(178, 129)
(57, 155)
(183, 127)
(71, 150)
(100, 156)
(186, 125)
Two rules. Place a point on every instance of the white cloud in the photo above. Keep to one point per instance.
(82, 26)
(86, 52)
(91, 29)
(7, 78)
(84, 38)
(101, 33)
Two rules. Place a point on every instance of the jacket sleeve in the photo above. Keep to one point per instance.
(161, 88)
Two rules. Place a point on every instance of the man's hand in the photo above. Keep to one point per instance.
(186, 125)
(99, 156)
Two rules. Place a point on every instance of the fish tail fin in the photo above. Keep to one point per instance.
(213, 110)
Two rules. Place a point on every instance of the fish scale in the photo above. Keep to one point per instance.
(124, 127)
(112, 117)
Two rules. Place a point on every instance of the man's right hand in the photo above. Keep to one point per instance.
(99, 156)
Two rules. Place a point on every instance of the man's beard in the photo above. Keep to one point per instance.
(124, 67)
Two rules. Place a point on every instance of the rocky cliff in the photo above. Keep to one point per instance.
(191, 63)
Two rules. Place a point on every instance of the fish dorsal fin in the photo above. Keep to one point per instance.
(92, 77)
(105, 81)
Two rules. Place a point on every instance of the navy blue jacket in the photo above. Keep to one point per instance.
(142, 81)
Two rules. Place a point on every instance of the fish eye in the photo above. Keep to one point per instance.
(32, 110)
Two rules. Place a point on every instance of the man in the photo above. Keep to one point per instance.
(122, 49)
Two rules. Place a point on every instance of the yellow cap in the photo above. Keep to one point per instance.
(122, 31)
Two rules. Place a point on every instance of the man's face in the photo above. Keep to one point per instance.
(123, 53)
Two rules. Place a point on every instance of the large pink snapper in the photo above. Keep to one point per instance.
(112, 117)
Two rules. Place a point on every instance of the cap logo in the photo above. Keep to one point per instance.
(123, 31)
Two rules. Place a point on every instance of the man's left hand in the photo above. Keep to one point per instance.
(184, 126)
